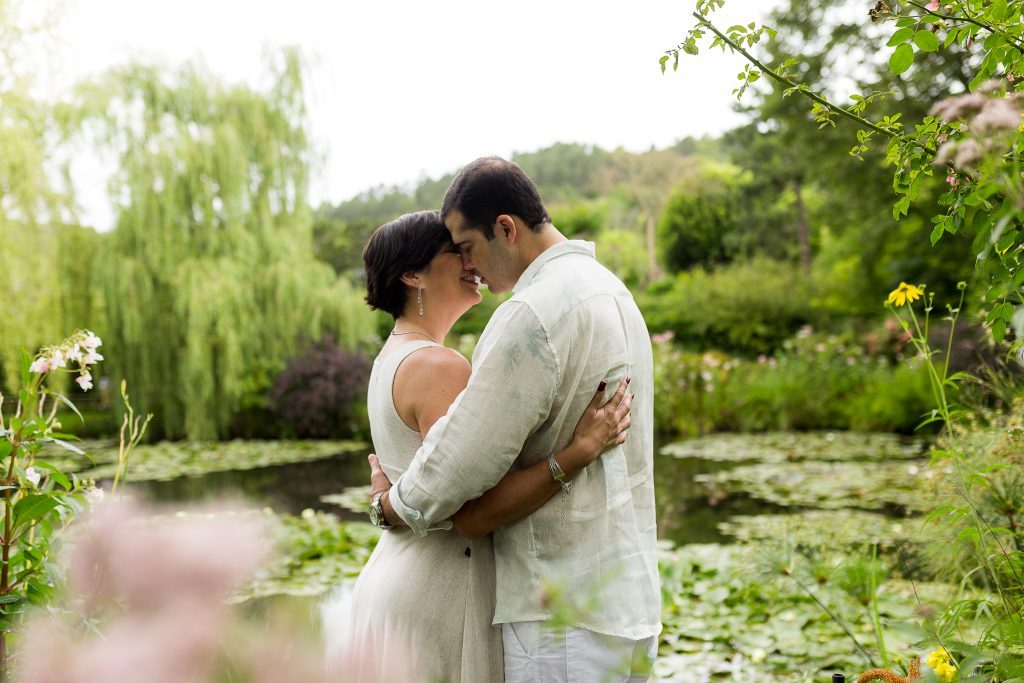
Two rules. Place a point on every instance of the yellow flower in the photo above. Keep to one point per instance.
(904, 293)
(942, 665)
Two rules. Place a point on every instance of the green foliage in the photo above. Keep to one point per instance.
(813, 382)
(695, 230)
(747, 307)
(210, 274)
(39, 496)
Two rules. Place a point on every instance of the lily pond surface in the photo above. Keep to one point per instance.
(724, 503)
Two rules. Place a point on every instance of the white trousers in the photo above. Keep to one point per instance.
(537, 653)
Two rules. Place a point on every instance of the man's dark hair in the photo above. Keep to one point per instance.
(407, 243)
(489, 187)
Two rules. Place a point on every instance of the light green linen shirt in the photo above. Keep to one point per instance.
(569, 324)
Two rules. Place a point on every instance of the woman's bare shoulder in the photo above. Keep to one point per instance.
(434, 366)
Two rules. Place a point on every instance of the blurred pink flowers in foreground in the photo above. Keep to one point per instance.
(147, 603)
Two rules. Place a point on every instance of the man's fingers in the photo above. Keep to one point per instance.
(374, 461)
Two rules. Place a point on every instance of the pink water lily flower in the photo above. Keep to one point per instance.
(84, 381)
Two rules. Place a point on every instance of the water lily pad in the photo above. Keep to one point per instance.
(317, 552)
(898, 485)
(792, 446)
(172, 459)
(353, 499)
(821, 528)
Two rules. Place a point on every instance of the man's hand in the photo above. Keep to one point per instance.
(379, 483)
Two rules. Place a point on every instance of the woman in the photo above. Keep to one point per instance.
(431, 599)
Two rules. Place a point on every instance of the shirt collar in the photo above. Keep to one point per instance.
(549, 254)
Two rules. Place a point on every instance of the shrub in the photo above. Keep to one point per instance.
(318, 395)
(695, 229)
(747, 307)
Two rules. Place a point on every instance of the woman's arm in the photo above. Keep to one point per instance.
(521, 492)
(424, 388)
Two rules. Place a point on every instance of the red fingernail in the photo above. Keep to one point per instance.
(602, 385)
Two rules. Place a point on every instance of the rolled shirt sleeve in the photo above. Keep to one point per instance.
(510, 393)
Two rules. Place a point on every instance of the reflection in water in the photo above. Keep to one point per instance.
(687, 511)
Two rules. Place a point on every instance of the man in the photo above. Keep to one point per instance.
(569, 325)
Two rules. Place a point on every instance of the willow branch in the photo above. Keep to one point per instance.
(776, 76)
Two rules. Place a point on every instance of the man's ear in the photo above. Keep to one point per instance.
(505, 228)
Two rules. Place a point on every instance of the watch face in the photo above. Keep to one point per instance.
(375, 514)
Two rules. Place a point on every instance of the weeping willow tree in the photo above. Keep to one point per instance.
(209, 277)
(30, 202)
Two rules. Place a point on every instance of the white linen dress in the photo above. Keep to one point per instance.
(430, 598)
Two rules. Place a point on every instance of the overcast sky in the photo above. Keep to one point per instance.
(403, 89)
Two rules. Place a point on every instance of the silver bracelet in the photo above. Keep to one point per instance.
(558, 474)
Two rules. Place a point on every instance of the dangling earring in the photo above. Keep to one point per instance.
(419, 297)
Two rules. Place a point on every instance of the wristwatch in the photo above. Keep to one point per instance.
(377, 512)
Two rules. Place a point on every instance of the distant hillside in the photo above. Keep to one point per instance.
(587, 190)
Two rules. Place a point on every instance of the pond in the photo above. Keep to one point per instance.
(727, 506)
(687, 511)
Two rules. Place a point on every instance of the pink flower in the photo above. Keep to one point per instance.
(40, 365)
(92, 357)
(84, 381)
(933, 5)
(75, 354)
(951, 179)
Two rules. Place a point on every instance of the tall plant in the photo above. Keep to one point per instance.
(210, 277)
(38, 497)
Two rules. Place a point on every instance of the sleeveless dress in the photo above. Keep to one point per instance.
(427, 598)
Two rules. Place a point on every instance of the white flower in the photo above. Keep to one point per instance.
(913, 470)
(95, 495)
(58, 360)
(33, 476)
(40, 365)
(85, 381)
(91, 341)
(75, 354)
(92, 358)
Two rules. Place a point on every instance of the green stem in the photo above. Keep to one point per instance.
(859, 120)
(876, 620)
(835, 618)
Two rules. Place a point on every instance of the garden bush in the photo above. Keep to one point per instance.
(321, 394)
(747, 307)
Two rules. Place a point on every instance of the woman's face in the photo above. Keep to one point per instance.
(446, 282)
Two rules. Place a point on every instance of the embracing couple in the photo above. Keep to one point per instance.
(512, 487)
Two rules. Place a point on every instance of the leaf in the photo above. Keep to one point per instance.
(66, 401)
(901, 59)
(33, 508)
(926, 40)
(937, 233)
(901, 36)
(70, 447)
(999, 329)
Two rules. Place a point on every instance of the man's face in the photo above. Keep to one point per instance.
(492, 260)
